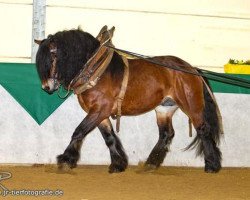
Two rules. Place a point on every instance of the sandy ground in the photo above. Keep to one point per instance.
(95, 183)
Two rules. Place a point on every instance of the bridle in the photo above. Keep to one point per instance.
(53, 70)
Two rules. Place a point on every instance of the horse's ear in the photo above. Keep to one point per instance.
(104, 29)
(38, 41)
(111, 31)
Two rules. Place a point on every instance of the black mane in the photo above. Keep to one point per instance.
(74, 48)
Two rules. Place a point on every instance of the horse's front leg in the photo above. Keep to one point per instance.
(72, 153)
(119, 160)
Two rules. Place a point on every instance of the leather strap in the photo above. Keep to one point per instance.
(93, 71)
(122, 93)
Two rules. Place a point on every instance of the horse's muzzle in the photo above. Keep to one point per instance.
(50, 86)
(47, 89)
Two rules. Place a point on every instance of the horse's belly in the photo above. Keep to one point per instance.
(136, 109)
(143, 95)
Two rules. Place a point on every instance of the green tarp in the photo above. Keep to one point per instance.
(22, 82)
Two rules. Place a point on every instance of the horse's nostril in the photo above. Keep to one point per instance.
(46, 88)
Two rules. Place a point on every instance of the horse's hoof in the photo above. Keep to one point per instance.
(116, 169)
(63, 167)
(149, 168)
(64, 159)
(210, 169)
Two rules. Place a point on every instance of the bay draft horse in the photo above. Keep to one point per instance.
(150, 86)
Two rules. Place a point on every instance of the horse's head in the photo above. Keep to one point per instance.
(61, 56)
(46, 65)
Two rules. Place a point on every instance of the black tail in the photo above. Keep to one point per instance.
(212, 121)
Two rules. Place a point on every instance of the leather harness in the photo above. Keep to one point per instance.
(96, 66)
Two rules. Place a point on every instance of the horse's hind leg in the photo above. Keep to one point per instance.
(205, 119)
(207, 146)
(164, 114)
(119, 161)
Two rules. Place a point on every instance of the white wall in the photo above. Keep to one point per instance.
(24, 141)
(203, 32)
(16, 31)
